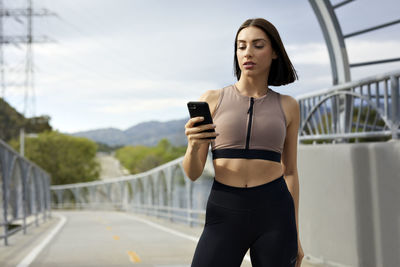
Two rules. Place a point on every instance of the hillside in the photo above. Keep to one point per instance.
(145, 133)
(11, 122)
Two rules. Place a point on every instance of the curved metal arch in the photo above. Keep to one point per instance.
(31, 203)
(17, 205)
(116, 191)
(149, 192)
(161, 183)
(334, 40)
(68, 192)
(138, 191)
(14, 161)
(181, 173)
(40, 189)
(102, 193)
(364, 98)
(82, 192)
(127, 194)
(54, 197)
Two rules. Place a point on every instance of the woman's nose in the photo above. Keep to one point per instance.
(248, 52)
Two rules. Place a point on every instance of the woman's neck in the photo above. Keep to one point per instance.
(252, 87)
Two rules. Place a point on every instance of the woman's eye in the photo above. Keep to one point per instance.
(241, 47)
(258, 46)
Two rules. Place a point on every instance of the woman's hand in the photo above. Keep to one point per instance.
(300, 254)
(195, 135)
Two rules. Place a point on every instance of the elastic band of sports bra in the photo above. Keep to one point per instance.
(246, 153)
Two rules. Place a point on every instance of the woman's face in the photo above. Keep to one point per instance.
(254, 52)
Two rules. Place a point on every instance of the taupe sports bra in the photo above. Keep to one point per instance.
(248, 127)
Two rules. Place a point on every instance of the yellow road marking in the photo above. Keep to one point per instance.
(116, 237)
(109, 228)
(133, 256)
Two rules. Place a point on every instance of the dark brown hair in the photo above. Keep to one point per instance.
(282, 71)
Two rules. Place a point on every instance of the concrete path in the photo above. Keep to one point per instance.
(106, 238)
(110, 166)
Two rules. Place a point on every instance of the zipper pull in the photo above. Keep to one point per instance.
(251, 105)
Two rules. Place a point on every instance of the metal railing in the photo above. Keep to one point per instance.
(368, 108)
(164, 191)
(24, 192)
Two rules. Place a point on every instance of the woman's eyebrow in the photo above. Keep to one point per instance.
(255, 40)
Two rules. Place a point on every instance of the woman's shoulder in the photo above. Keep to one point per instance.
(291, 107)
(212, 97)
(289, 101)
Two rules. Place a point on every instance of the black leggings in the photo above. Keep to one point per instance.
(261, 218)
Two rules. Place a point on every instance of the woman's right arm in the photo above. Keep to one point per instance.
(197, 149)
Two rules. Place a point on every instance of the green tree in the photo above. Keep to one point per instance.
(68, 159)
(141, 158)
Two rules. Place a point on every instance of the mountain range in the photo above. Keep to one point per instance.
(145, 133)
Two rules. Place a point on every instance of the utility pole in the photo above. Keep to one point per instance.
(17, 13)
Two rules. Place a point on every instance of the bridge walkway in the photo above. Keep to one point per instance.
(105, 238)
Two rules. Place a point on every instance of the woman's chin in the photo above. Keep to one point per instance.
(250, 73)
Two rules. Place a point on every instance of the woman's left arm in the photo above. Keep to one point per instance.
(289, 160)
(289, 154)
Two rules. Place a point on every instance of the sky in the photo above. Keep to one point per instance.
(118, 63)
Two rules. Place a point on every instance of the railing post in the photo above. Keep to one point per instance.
(6, 167)
(395, 94)
(48, 196)
(25, 170)
(5, 204)
(189, 202)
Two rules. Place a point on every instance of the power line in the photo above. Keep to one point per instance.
(21, 15)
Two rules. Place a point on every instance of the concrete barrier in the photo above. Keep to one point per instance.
(349, 209)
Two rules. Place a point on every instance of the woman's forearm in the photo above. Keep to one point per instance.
(192, 163)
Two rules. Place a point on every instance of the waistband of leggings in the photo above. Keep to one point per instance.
(245, 198)
(220, 186)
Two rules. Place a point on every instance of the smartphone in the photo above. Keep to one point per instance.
(201, 109)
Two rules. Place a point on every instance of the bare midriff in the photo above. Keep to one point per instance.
(246, 172)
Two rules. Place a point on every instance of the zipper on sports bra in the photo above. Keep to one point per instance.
(249, 111)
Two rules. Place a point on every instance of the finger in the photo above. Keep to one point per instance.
(204, 135)
(202, 128)
(193, 120)
(199, 129)
(206, 126)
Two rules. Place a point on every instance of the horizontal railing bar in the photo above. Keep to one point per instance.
(342, 3)
(13, 231)
(348, 85)
(347, 135)
(119, 179)
(352, 65)
(372, 28)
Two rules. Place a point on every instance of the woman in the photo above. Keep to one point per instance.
(253, 203)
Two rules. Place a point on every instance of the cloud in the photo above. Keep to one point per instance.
(363, 50)
(136, 105)
(308, 53)
(357, 51)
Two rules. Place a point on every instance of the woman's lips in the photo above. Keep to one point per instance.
(249, 65)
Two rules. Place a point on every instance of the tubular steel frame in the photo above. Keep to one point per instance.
(363, 109)
(24, 192)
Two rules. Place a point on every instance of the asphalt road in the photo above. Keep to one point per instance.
(105, 238)
(110, 166)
